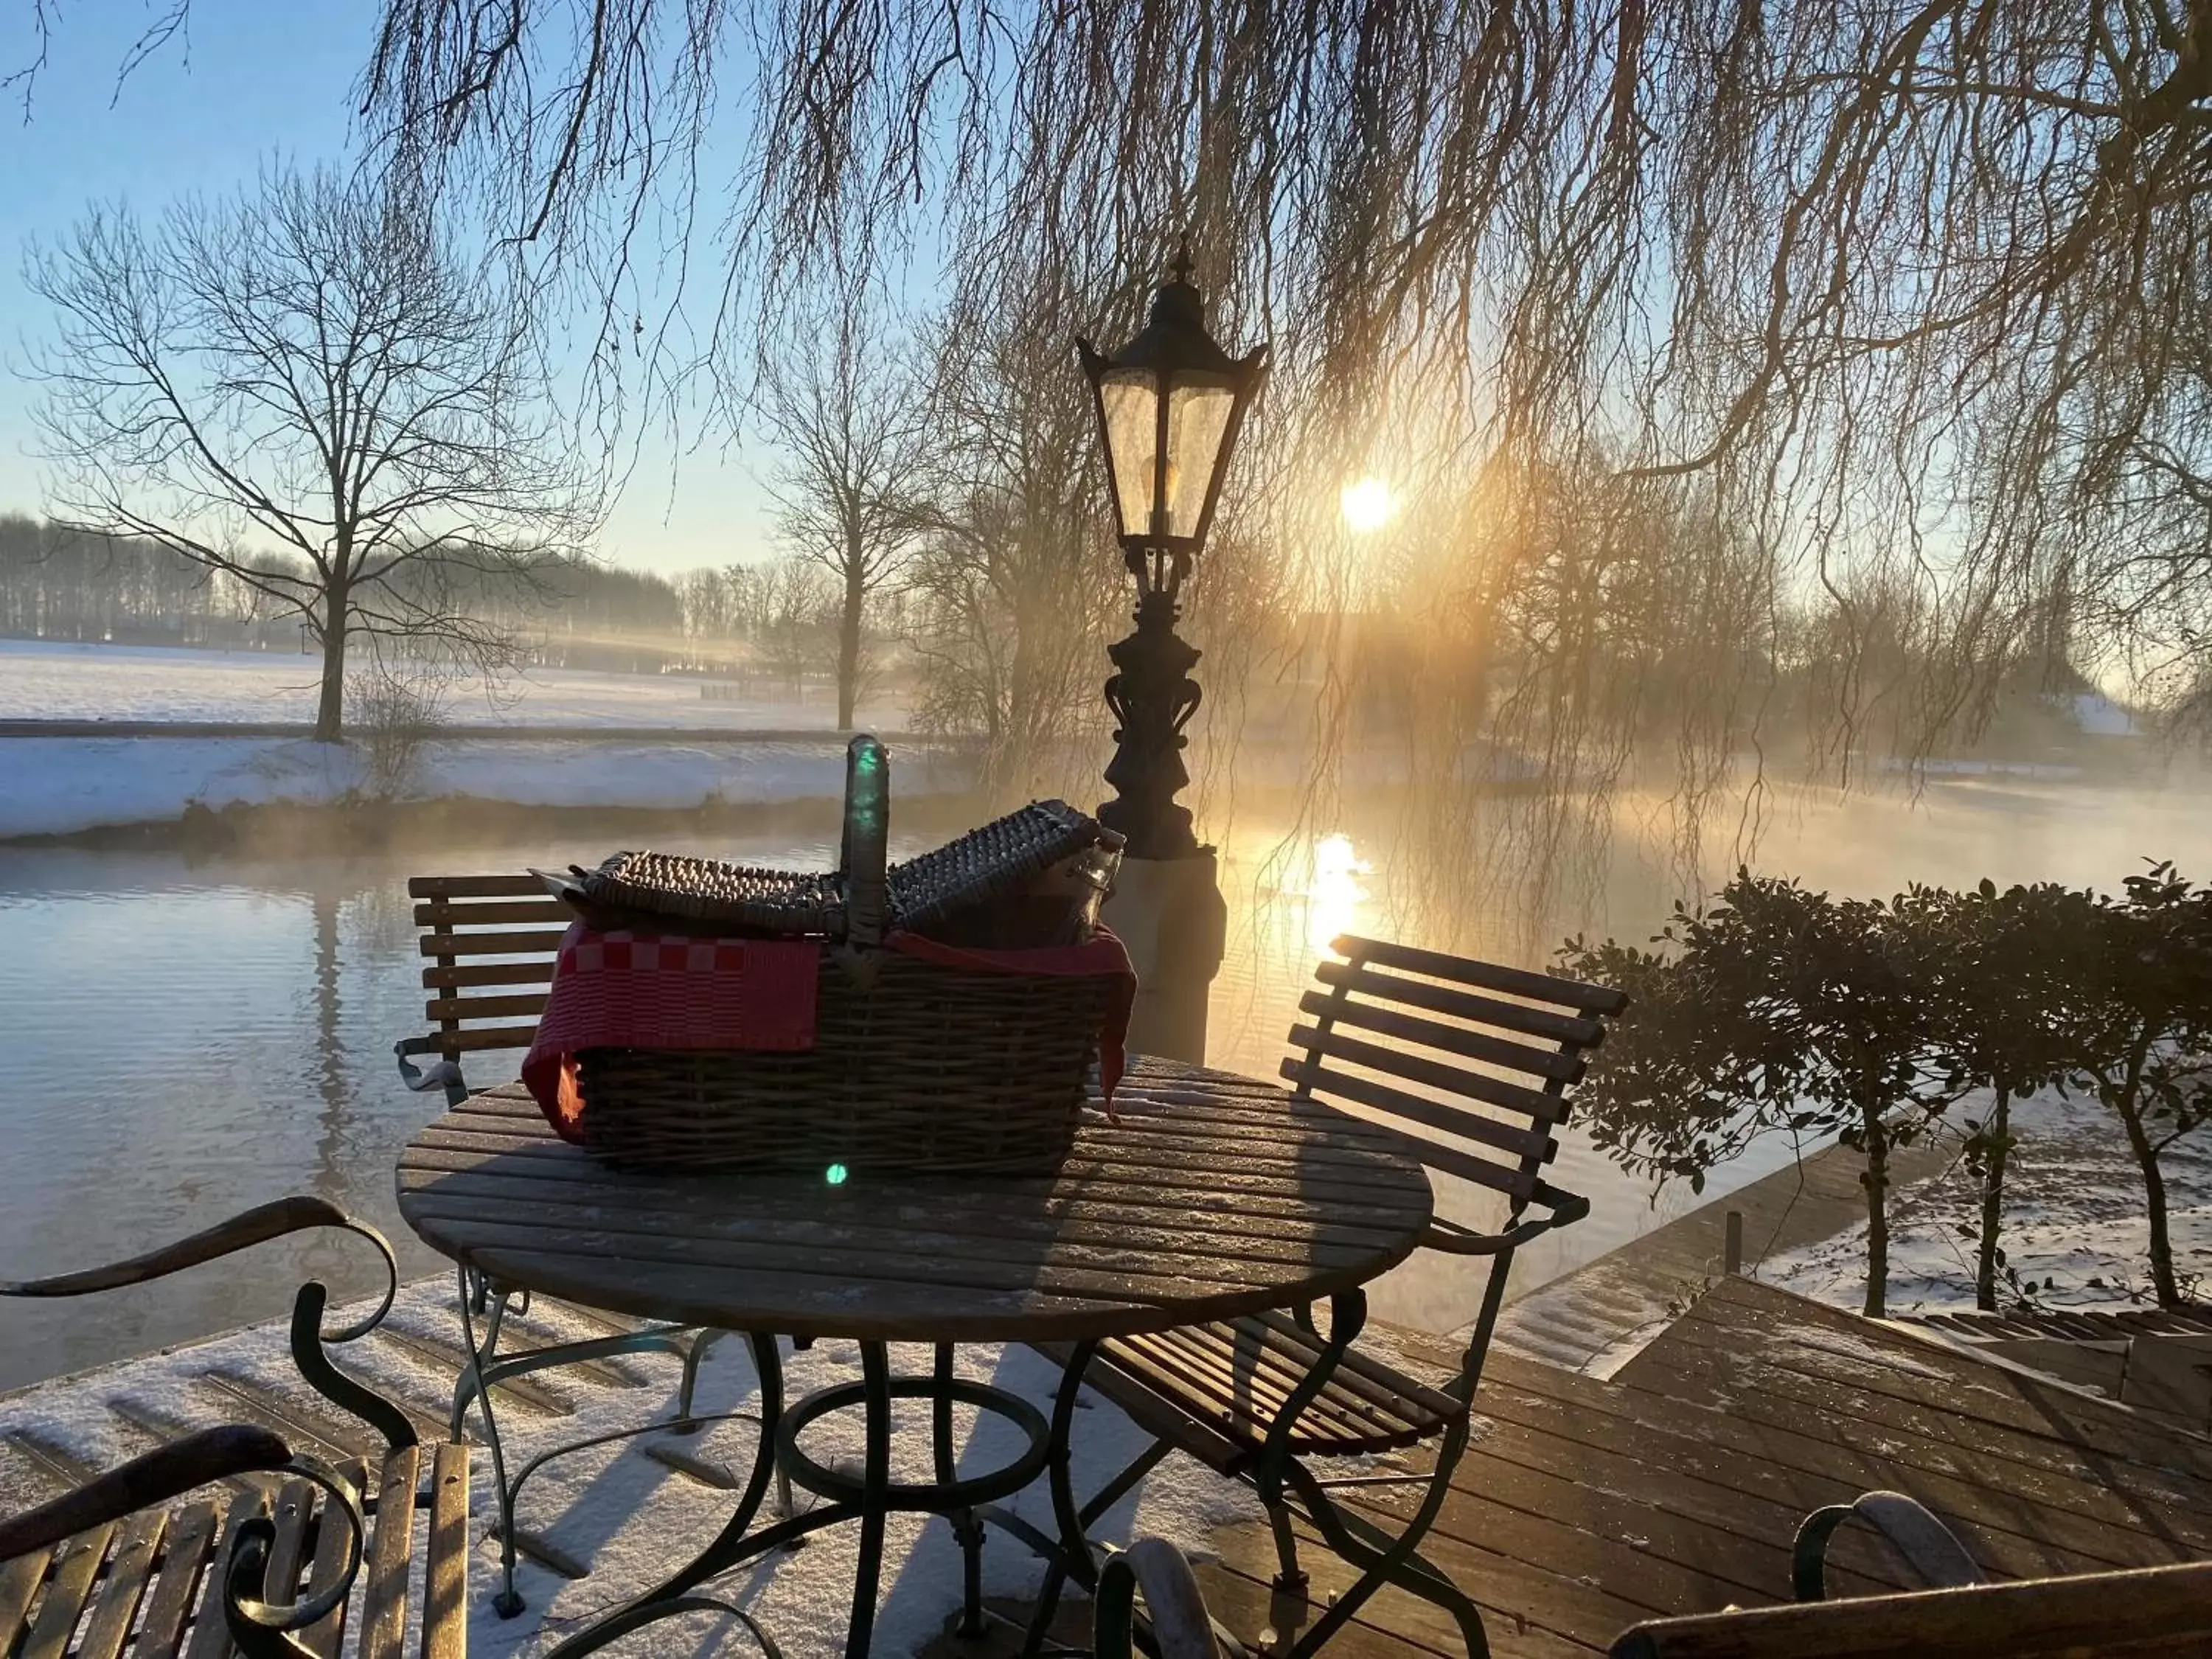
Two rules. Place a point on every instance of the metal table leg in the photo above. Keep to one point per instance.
(870, 1499)
(967, 1527)
(730, 1546)
(1068, 1556)
(486, 1369)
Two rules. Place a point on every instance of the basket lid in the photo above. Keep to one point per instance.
(987, 861)
(739, 896)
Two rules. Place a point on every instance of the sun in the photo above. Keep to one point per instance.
(1366, 503)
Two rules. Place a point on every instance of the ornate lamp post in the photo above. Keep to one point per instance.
(1171, 404)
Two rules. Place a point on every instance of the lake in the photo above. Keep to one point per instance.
(184, 1037)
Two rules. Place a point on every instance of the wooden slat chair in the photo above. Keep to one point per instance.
(491, 942)
(275, 1575)
(1472, 1061)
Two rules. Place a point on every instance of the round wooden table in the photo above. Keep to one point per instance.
(1212, 1196)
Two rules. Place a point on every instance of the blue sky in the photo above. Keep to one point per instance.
(253, 80)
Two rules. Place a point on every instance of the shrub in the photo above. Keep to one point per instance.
(391, 711)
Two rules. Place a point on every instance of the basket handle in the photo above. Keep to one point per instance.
(867, 832)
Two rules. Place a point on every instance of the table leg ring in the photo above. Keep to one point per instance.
(935, 1496)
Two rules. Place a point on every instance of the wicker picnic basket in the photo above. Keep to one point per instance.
(915, 1066)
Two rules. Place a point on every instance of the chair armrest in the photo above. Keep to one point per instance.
(1929, 1548)
(156, 1477)
(242, 1232)
(334, 1385)
(1562, 1209)
(446, 1074)
(1180, 1627)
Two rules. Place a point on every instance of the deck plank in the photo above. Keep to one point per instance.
(1675, 1487)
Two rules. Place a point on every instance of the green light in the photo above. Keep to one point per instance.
(836, 1174)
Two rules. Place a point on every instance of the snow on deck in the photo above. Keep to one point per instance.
(621, 1512)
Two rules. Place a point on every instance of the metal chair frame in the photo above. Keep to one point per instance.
(260, 1627)
(1561, 1014)
(485, 1299)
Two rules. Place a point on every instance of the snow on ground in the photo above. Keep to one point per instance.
(631, 1520)
(2075, 1223)
(55, 680)
(59, 786)
(55, 786)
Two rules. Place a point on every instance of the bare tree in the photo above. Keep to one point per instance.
(800, 610)
(1017, 584)
(301, 389)
(849, 420)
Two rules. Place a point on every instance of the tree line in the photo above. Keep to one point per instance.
(1780, 1010)
(1743, 371)
(768, 619)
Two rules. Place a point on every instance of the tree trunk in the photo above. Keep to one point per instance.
(329, 710)
(848, 645)
(2127, 1103)
(1875, 1180)
(1993, 1174)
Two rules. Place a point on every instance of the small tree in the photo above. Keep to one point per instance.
(1015, 588)
(302, 390)
(1785, 1009)
(2145, 1023)
(1680, 1085)
(855, 449)
(2002, 971)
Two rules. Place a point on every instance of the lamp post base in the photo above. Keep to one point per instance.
(1170, 914)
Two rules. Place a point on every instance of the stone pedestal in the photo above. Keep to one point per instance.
(1169, 912)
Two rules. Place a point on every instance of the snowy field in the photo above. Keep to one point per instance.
(2074, 1225)
(62, 785)
(42, 680)
(629, 1518)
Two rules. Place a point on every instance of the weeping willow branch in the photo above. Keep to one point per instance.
(1856, 349)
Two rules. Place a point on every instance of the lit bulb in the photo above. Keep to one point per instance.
(1366, 503)
(835, 1175)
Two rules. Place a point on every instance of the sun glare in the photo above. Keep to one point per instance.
(1366, 503)
(1333, 895)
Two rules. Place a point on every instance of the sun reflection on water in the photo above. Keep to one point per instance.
(1333, 891)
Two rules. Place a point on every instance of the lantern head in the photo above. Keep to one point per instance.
(1169, 405)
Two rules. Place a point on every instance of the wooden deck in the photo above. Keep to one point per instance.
(1583, 1506)
(1675, 1487)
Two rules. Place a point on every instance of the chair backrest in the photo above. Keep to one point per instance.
(485, 937)
(2150, 1610)
(1442, 1045)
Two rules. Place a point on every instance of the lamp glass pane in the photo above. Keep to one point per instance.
(1198, 419)
(1130, 399)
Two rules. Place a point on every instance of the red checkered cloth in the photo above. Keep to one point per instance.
(626, 990)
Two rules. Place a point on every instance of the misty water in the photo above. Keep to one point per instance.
(186, 1037)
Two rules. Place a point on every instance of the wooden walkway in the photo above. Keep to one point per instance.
(1675, 1487)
